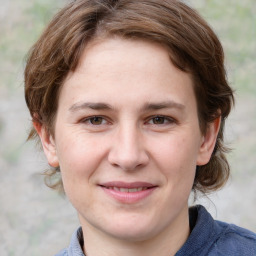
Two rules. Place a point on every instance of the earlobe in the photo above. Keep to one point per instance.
(208, 142)
(48, 144)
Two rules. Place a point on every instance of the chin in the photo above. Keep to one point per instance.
(136, 231)
(132, 235)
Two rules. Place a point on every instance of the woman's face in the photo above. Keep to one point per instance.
(127, 140)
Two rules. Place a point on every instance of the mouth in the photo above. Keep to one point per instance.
(128, 187)
(128, 192)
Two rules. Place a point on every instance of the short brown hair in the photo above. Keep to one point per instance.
(192, 45)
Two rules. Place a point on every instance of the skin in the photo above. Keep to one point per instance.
(146, 129)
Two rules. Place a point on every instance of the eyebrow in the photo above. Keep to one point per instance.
(91, 105)
(162, 105)
(146, 107)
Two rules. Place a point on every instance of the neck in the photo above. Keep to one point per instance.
(166, 243)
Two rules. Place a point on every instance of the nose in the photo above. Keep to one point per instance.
(128, 151)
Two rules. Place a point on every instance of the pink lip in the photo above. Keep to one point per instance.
(121, 184)
(128, 197)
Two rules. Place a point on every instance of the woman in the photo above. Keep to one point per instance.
(129, 99)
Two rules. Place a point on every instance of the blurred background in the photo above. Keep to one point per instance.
(35, 220)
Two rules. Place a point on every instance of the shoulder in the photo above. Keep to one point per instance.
(211, 237)
(234, 240)
(63, 252)
(75, 246)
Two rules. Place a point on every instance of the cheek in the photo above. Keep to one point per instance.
(176, 149)
(176, 157)
(78, 163)
(78, 158)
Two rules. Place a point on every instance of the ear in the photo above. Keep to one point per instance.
(47, 143)
(208, 142)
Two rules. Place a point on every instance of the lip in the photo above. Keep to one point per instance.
(112, 190)
(121, 184)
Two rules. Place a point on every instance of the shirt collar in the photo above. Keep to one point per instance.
(203, 233)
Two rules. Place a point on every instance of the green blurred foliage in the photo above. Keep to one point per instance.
(235, 23)
(19, 30)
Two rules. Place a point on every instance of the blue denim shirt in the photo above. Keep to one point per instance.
(208, 237)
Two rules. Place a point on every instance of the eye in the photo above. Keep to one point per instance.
(160, 120)
(95, 120)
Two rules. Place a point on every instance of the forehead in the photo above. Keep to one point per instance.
(112, 55)
(127, 68)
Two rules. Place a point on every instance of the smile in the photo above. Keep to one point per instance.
(128, 190)
(128, 193)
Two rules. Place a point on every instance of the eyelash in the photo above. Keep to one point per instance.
(90, 119)
(165, 120)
